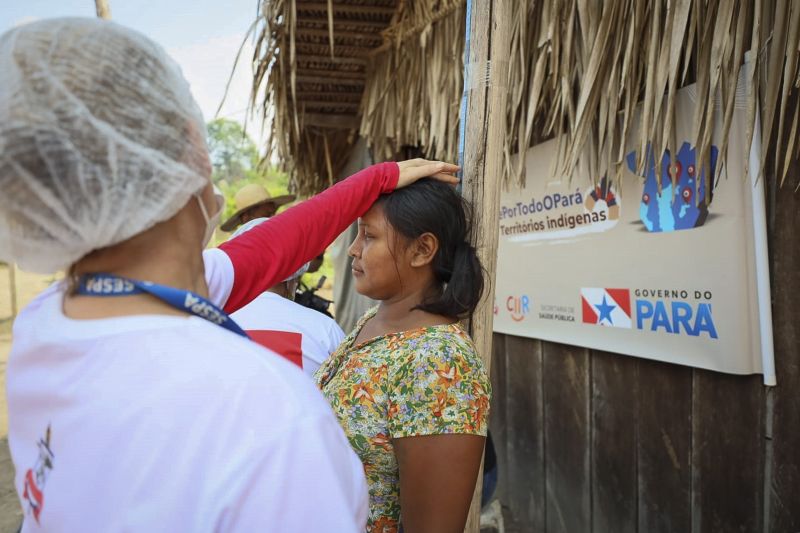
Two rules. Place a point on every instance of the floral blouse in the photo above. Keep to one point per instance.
(425, 381)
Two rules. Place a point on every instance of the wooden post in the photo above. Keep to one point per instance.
(485, 121)
(103, 10)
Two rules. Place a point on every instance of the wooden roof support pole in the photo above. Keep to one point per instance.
(489, 45)
(103, 10)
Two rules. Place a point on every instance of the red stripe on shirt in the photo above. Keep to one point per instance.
(284, 343)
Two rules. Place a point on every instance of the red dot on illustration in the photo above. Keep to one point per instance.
(675, 170)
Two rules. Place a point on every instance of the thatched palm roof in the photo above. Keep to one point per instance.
(576, 70)
(313, 62)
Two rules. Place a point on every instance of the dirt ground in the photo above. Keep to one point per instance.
(10, 512)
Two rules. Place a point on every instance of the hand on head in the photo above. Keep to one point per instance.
(415, 169)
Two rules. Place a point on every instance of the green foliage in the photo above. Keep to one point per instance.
(233, 153)
(236, 163)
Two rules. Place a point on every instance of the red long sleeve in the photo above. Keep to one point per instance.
(272, 251)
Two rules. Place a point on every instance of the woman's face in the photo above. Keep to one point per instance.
(379, 262)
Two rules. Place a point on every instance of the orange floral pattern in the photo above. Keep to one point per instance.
(427, 381)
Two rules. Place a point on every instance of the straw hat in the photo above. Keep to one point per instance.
(250, 197)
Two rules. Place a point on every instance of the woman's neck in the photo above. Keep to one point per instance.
(399, 313)
(167, 254)
(171, 266)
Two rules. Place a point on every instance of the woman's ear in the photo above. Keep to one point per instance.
(424, 250)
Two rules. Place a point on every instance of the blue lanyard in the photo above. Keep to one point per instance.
(187, 301)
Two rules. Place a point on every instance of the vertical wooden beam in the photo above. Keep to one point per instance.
(524, 437)
(330, 25)
(727, 452)
(498, 421)
(664, 447)
(613, 443)
(483, 159)
(103, 9)
(782, 512)
(566, 374)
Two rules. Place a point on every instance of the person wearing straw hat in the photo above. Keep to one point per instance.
(254, 201)
(159, 413)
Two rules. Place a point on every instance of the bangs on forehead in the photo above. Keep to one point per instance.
(375, 216)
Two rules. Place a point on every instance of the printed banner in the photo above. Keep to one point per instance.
(633, 267)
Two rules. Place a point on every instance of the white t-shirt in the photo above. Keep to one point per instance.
(319, 335)
(219, 275)
(165, 423)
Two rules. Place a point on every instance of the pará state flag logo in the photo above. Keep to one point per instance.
(606, 307)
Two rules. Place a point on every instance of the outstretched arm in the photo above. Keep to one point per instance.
(275, 249)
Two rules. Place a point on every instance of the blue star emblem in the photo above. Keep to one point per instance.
(605, 311)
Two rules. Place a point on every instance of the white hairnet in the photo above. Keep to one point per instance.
(100, 139)
(255, 222)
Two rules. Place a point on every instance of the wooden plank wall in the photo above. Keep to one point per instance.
(592, 441)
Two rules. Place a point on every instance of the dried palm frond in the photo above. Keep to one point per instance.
(633, 53)
(309, 63)
(589, 73)
(412, 90)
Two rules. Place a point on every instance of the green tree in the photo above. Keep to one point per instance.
(233, 153)
(236, 162)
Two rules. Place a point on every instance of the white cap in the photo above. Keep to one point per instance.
(100, 139)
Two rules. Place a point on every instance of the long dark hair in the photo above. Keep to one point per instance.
(430, 206)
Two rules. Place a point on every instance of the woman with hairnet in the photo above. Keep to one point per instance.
(135, 402)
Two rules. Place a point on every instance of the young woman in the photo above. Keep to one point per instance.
(407, 384)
